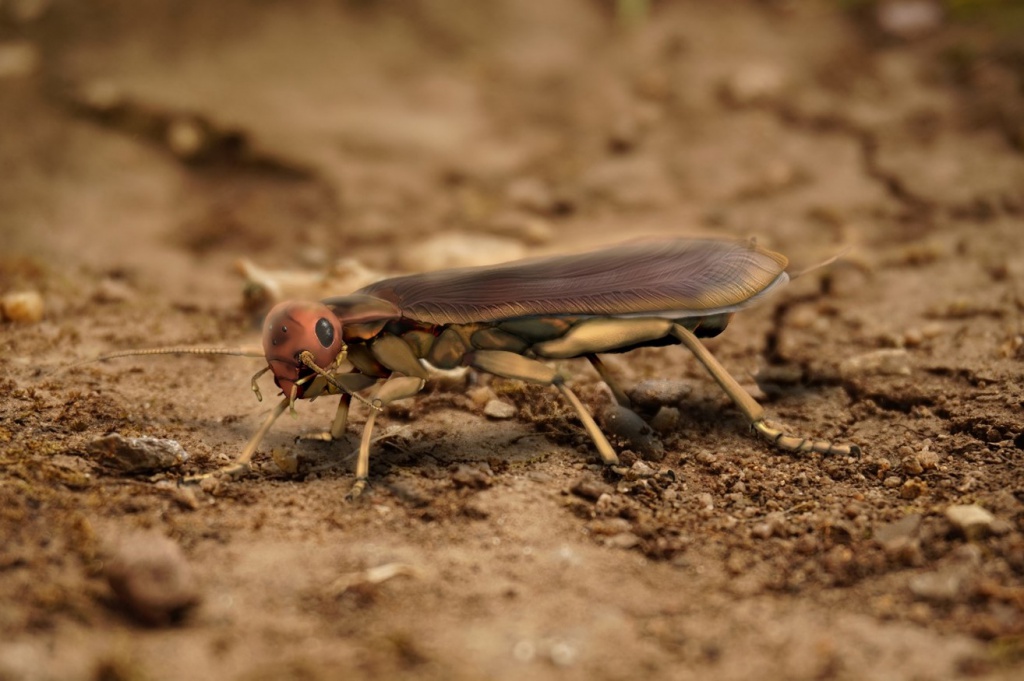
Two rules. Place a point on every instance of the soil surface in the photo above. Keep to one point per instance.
(146, 147)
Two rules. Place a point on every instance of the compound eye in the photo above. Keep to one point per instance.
(324, 332)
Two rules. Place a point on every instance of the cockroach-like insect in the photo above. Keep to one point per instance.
(506, 320)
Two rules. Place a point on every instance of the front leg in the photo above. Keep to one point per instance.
(241, 464)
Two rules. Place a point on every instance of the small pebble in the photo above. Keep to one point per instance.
(24, 307)
(913, 488)
(498, 409)
(151, 577)
(589, 487)
(137, 454)
(972, 520)
(889, 362)
(929, 460)
(911, 465)
(893, 481)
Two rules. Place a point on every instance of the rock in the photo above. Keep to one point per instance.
(913, 488)
(589, 487)
(973, 521)
(24, 307)
(893, 481)
(137, 454)
(497, 409)
(889, 362)
(929, 460)
(911, 465)
(659, 392)
(150, 576)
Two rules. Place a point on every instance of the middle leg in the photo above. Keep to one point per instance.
(510, 365)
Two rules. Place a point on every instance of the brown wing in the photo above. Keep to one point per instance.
(676, 278)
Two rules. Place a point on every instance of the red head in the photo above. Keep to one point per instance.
(292, 327)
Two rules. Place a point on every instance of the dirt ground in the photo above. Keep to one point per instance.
(146, 147)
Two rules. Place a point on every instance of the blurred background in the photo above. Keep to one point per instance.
(168, 168)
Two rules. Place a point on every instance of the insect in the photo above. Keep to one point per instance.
(507, 320)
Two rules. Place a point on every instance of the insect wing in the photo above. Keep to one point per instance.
(672, 278)
(359, 309)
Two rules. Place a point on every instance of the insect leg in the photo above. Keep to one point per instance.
(340, 421)
(396, 388)
(749, 406)
(241, 464)
(510, 365)
(609, 380)
(338, 425)
(352, 383)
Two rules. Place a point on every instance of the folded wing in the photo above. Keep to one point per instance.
(672, 278)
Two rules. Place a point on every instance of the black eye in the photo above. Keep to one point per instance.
(324, 332)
